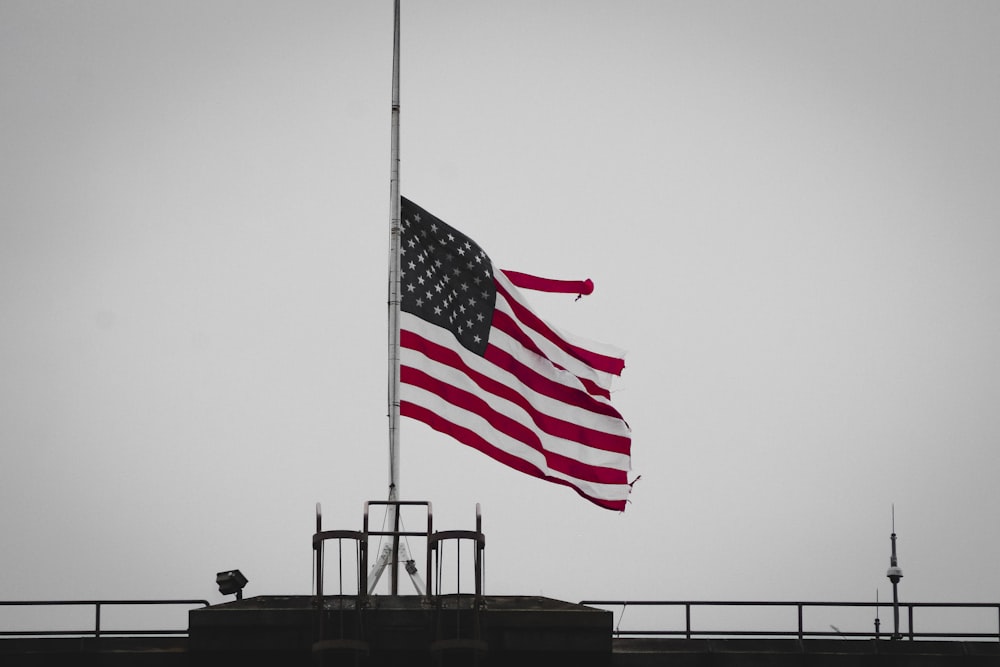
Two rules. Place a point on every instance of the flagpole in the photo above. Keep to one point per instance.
(394, 299)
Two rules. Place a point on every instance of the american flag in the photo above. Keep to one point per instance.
(477, 364)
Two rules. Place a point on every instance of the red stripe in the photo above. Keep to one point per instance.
(595, 360)
(593, 388)
(512, 428)
(472, 439)
(527, 281)
(547, 423)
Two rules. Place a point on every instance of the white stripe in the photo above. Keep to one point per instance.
(505, 443)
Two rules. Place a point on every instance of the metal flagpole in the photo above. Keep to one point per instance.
(394, 297)
(394, 552)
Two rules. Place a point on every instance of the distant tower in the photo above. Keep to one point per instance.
(895, 574)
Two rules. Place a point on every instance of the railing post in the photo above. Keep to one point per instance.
(318, 554)
(799, 606)
(477, 561)
(428, 569)
(909, 621)
(97, 619)
(687, 620)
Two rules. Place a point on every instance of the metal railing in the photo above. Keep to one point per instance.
(800, 631)
(97, 630)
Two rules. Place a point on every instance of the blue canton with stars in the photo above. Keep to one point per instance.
(445, 278)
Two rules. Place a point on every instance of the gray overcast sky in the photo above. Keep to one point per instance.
(790, 211)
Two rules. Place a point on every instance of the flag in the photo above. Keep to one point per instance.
(477, 364)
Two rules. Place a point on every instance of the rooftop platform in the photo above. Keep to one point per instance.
(389, 628)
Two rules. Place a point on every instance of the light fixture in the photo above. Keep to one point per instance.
(231, 581)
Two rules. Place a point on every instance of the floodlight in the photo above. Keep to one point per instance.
(231, 581)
